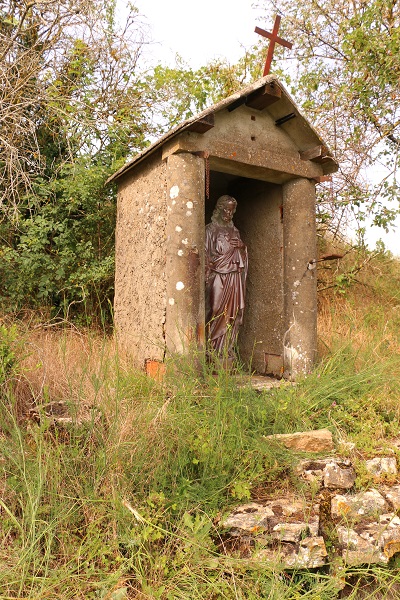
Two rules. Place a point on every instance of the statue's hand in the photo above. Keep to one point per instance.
(236, 243)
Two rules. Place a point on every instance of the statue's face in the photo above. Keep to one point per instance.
(227, 211)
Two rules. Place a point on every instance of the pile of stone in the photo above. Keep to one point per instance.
(362, 528)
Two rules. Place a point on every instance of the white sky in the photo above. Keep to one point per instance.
(202, 31)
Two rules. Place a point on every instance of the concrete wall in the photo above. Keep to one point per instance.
(185, 234)
(140, 281)
(258, 217)
(300, 277)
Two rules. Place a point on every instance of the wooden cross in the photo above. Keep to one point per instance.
(274, 40)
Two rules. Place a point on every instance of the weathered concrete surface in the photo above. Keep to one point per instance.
(258, 218)
(185, 233)
(319, 440)
(298, 130)
(140, 278)
(300, 277)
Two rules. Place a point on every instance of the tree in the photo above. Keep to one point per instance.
(347, 78)
(69, 82)
(73, 106)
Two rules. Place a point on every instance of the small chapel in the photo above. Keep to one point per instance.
(257, 147)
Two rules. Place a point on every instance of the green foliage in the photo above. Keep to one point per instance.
(61, 253)
(8, 358)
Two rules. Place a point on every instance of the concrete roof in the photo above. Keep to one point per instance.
(300, 129)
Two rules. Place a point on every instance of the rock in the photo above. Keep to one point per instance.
(393, 495)
(356, 550)
(370, 503)
(319, 440)
(372, 542)
(336, 476)
(290, 532)
(312, 470)
(333, 472)
(309, 554)
(385, 465)
(312, 553)
(346, 446)
(250, 518)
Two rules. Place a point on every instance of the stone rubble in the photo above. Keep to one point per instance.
(362, 527)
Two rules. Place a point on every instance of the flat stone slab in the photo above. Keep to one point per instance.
(338, 475)
(382, 465)
(319, 440)
(262, 382)
(249, 518)
(309, 554)
(358, 506)
(278, 518)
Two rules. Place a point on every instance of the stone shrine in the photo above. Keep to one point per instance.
(257, 147)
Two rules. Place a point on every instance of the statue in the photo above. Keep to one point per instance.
(225, 276)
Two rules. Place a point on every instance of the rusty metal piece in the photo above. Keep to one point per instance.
(323, 178)
(274, 39)
(155, 369)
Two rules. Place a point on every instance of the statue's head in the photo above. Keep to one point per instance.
(224, 209)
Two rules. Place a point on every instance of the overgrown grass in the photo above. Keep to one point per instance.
(125, 501)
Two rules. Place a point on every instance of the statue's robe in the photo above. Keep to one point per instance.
(226, 272)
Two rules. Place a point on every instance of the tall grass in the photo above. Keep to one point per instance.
(126, 500)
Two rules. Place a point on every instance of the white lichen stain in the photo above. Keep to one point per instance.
(312, 265)
(174, 192)
(296, 283)
(189, 204)
(188, 213)
(180, 252)
(185, 241)
(171, 301)
(173, 202)
(178, 228)
(179, 286)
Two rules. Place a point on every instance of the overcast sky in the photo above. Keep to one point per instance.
(202, 31)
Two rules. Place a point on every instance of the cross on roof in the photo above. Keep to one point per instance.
(274, 40)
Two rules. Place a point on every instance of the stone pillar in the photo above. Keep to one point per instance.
(300, 277)
(185, 234)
